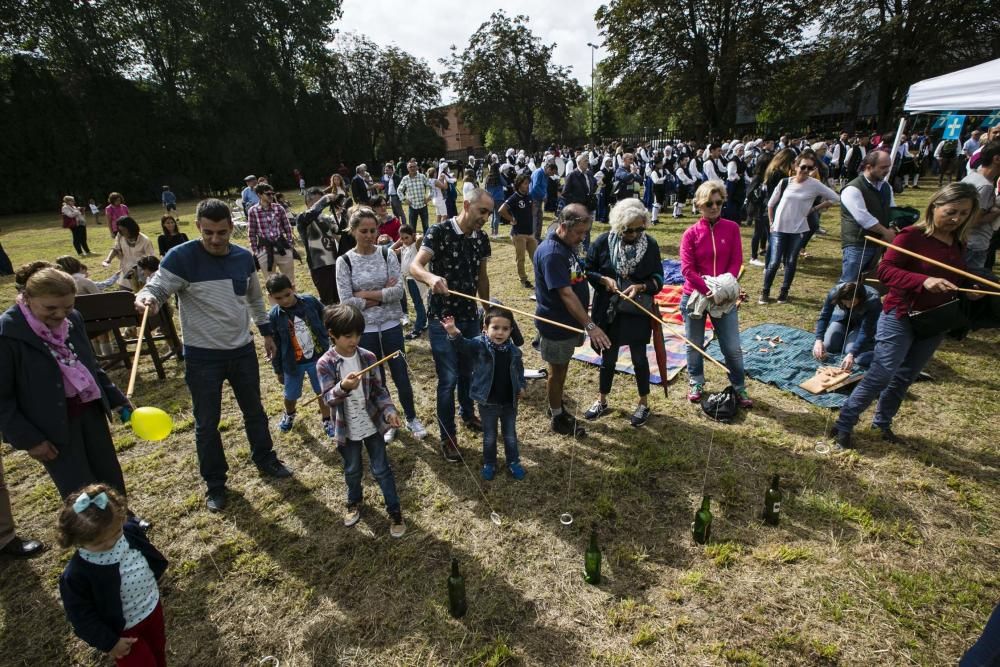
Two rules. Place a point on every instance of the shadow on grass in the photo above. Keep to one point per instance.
(27, 596)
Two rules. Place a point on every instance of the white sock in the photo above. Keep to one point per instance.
(678, 210)
(656, 213)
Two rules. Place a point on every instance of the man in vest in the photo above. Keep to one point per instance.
(838, 158)
(864, 211)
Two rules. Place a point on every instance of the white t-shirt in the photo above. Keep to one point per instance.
(304, 336)
(980, 234)
(796, 201)
(359, 424)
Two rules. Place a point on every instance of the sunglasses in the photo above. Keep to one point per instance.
(806, 167)
(633, 230)
(715, 203)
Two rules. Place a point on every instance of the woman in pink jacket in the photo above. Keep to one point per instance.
(712, 247)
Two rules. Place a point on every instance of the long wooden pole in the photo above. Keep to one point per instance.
(359, 374)
(515, 310)
(697, 348)
(966, 274)
(138, 351)
(960, 289)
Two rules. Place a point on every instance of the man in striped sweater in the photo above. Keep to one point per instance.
(219, 294)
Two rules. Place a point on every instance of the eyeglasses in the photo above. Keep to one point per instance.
(806, 167)
(715, 203)
(633, 230)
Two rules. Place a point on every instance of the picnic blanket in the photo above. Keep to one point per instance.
(668, 300)
(672, 272)
(782, 356)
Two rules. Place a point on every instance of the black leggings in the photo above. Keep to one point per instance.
(761, 230)
(639, 363)
(80, 239)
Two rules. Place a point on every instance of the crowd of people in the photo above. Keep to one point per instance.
(372, 249)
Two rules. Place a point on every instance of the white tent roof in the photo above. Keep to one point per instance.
(973, 89)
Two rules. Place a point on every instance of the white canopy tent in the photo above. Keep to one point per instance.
(972, 89)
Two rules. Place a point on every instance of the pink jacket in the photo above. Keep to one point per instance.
(710, 250)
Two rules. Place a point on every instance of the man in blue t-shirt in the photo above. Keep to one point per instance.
(563, 296)
(539, 191)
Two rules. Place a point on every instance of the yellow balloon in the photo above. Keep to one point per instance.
(151, 423)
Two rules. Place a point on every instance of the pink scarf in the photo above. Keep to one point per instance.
(77, 379)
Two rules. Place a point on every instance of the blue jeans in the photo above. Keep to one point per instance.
(986, 651)
(899, 358)
(418, 305)
(453, 370)
(490, 414)
(835, 343)
(378, 464)
(383, 344)
(204, 379)
(857, 260)
(602, 207)
(294, 381)
(783, 248)
(419, 213)
(727, 329)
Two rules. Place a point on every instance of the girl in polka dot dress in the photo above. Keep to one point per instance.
(109, 587)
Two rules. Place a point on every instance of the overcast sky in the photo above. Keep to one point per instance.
(428, 29)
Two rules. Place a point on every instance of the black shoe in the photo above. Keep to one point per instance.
(536, 342)
(566, 424)
(216, 499)
(449, 448)
(527, 284)
(413, 335)
(595, 410)
(144, 525)
(19, 548)
(842, 440)
(888, 435)
(275, 468)
(473, 424)
(640, 416)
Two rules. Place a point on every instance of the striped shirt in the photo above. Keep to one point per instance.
(219, 298)
(415, 190)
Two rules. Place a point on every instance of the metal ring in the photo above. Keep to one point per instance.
(495, 518)
(822, 447)
(566, 519)
(269, 658)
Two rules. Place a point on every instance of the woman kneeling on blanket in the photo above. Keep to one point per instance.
(914, 286)
(624, 259)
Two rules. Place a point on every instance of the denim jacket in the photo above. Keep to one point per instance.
(378, 403)
(283, 360)
(866, 314)
(484, 363)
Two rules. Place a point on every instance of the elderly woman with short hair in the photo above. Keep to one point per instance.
(625, 260)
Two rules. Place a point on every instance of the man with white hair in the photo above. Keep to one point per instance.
(581, 186)
(359, 186)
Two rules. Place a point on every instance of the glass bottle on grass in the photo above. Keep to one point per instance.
(456, 592)
(701, 529)
(772, 503)
(592, 560)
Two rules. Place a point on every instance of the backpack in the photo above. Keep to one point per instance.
(722, 407)
(385, 256)
(950, 148)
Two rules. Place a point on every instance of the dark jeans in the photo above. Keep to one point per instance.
(80, 239)
(419, 213)
(397, 206)
(639, 362)
(453, 370)
(385, 343)
(761, 231)
(325, 280)
(899, 358)
(537, 214)
(857, 260)
(813, 221)
(6, 268)
(986, 651)
(204, 380)
(784, 249)
(378, 464)
(506, 415)
(89, 457)
(418, 305)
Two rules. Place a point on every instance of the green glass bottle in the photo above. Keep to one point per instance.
(592, 560)
(456, 591)
(701, 529)
(772, 503)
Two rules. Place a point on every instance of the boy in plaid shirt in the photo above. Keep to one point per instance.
(362, 411)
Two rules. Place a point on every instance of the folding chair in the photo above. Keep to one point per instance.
(110, 312)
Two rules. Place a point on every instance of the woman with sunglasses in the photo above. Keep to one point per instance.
(790, 204)
(624, 259)
(711, 248)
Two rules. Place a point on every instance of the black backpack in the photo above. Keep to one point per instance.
(950, 148)
(723, 406)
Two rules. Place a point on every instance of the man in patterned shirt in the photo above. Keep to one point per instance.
(270, 234)
(415, 189)
(454, 256)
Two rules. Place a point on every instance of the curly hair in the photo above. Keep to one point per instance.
(627, 211)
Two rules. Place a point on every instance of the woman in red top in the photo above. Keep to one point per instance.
(914, 285)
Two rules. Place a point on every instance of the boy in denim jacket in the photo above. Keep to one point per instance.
(497, 384)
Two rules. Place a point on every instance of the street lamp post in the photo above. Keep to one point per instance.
(593, 48)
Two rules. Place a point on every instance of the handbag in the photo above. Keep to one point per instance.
(626, 307)
(938, 320)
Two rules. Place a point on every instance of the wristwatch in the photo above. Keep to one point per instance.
(590, 327)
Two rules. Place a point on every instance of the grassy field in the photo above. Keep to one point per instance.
(885, 556)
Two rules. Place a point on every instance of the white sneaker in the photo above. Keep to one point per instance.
(390, 435)
(416, 428)
(756, 262)
(405, 321)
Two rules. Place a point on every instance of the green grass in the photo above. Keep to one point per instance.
(885, 556)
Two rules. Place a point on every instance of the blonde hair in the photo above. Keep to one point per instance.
(626, 211)
(950, 194)
(705, 191)
(69, 198)
(76, 528)
(43, 279)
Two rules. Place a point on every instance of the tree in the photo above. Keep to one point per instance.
(665, 52)
(505, 78)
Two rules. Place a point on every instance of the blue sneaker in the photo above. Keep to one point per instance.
(328, 427)
(516, 471)
(286, 421)
(489, 472)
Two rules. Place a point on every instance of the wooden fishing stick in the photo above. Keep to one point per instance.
(521, 312)
(138, 351)
(359, 374)
(960, 289)
(670, 328)
(966, 274)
